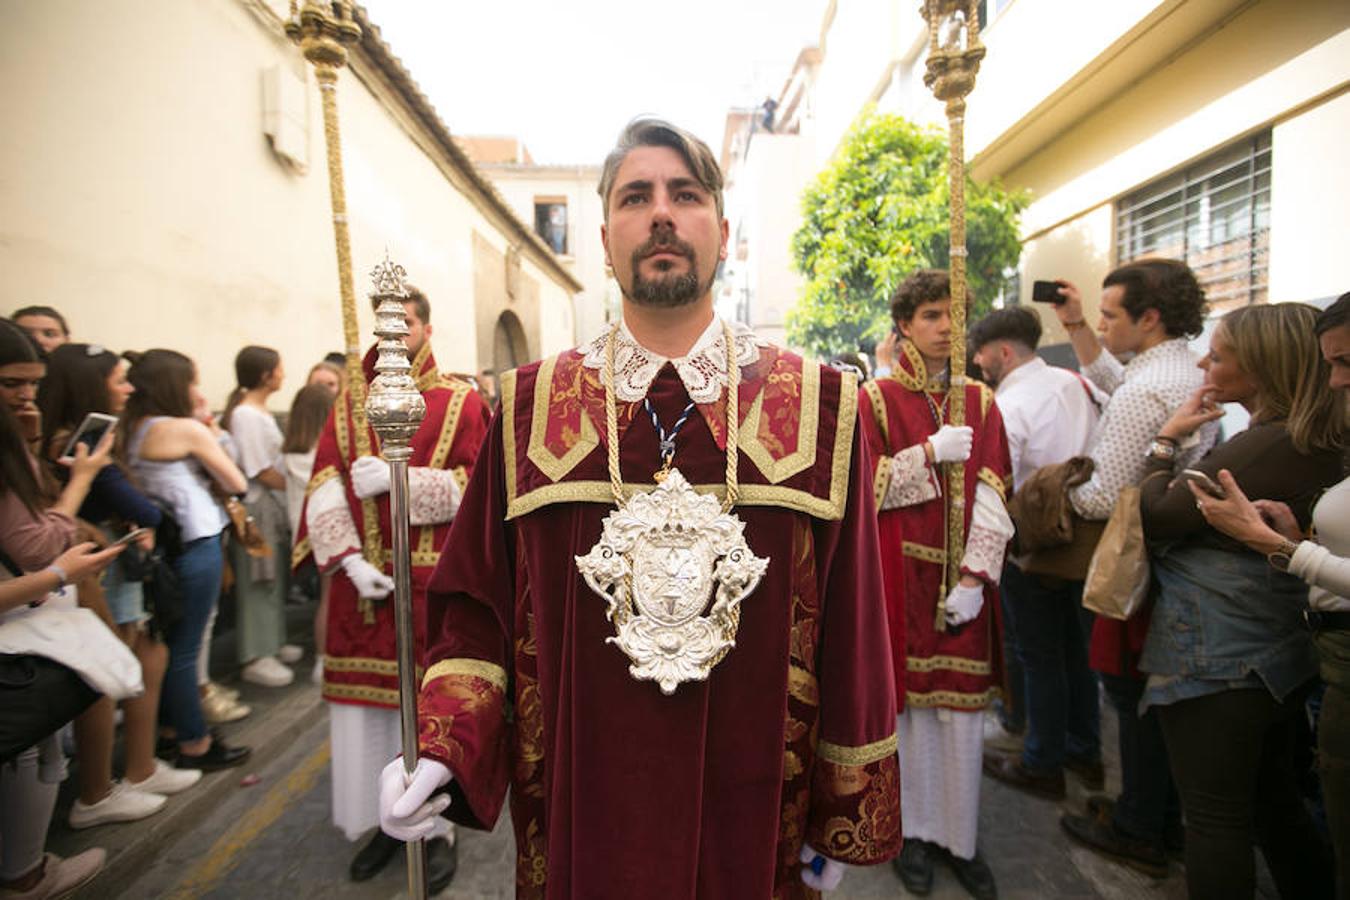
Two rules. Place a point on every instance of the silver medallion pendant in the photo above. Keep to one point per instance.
(660, 557)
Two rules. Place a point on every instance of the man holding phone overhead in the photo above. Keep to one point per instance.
(1149, 310)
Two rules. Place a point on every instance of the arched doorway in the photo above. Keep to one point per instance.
(509, 346)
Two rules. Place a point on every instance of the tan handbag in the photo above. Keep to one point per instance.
(245, 530)
(1118, 575)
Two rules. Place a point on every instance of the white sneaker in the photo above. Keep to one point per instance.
(61, 876)
(123, 804)
(167, 780)
(290, 654)
(268, 672)
(317, 675)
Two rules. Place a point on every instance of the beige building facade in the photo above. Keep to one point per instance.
(169, 188)
(561, 204)
(1207, 130)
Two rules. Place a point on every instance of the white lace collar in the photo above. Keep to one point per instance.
(703, 370)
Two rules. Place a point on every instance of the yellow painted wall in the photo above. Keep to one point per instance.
(144, 201)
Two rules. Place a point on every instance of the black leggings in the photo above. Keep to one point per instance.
(1232, 756)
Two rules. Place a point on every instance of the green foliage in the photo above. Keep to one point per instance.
(878, 212)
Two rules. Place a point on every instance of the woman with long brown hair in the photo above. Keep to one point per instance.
(176, 458)
(83, 379)
(1229, 656)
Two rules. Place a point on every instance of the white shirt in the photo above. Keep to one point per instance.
(1326, 564)
(258, 440)
(1144, 394)
(1049, 415)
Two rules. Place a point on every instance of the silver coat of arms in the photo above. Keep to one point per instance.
(660, 556)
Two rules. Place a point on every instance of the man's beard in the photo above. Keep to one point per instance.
(669, 291)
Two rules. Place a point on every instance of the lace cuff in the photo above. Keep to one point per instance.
(913, 480)
(433, 495)
(332, 533)
(990, 530)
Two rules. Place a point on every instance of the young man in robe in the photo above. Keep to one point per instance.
(946, 636)
(689, 695)
(345, 526)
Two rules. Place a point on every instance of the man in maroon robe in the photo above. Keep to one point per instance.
(345, 526)
(753, 771)
(946, 635)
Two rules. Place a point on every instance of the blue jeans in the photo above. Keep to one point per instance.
(1148, 807)
(1063, 715)
(199, 570)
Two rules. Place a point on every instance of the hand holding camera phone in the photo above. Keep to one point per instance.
(91, 431)
(1047, 292)
(130, 536)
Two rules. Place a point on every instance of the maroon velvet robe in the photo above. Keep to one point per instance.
(957, 668)
(617, 790)
(361, 650)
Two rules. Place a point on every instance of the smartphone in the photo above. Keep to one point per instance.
(1207, 484)
(1046, 292)
(91, 431)
(130, 536)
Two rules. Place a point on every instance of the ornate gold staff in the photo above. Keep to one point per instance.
(323, 30)
(395, 410)
(954, 54)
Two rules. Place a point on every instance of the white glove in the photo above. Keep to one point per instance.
(370, 582)
(950, 443)
(964, 603)
(830, 875)
(406, 813)
(370, 476)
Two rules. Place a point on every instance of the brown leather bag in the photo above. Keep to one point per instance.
(1053, 539)
(245, 530)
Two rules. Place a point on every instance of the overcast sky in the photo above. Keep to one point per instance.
(565, 75)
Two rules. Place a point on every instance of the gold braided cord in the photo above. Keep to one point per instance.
(326, 75)
(733, 418)
(956, 391)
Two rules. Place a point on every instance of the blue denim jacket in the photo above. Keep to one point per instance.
(1222, 616)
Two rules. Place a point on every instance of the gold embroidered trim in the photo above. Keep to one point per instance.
(808, 427)
(461, 475)
(950, 663)
(476, 668)
(555, 467)
(923, 552)
(857, 756)
(986, 396)
(372, 546)
(843, 444)
(300, 551)
(602, 492)
(879, 411)
(446, 439)
(953, 699)
(802, 685)
(386, 696)
(319, 478)
(427, 380)
(360, 664)
(506, 384)
(991, 478)
(917, 379)
(421, 557)
(881, 482)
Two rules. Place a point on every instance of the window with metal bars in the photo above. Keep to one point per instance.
(1214, 215)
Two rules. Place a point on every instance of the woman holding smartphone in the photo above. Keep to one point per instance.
(1229, 657)
(83, 379)
(175, 458)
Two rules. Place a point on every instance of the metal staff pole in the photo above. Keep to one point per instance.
(323, 31)
(954, 54)
(395, 409)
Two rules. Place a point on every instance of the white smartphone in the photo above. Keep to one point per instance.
(1207, 484)
(91, 431)
(130, 536)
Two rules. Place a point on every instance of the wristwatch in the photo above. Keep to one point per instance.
(1283, 555)
(1162, 450)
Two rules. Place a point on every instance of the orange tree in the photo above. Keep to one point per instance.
(877, 213)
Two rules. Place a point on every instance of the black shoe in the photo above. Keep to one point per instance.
(1011, 771)
(442, 861)
(1103, 809)
(1104, 838)
(914, 865)
(374, 856)
(218, 756)
(975, 876)
(1089, 771)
